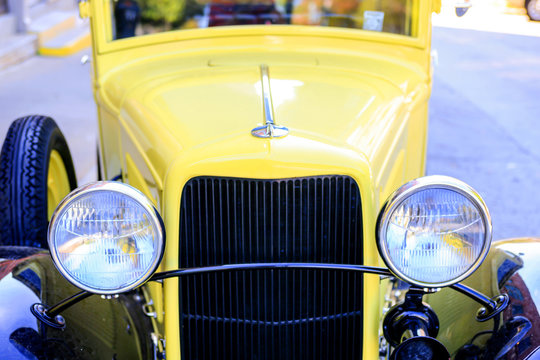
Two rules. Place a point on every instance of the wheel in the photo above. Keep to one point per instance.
(36, 173)
(533, 9)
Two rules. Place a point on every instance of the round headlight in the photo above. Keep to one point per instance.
(434, 231)
(106, 238)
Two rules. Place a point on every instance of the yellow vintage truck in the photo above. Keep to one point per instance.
(262, 196)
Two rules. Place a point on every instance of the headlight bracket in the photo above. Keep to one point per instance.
(500, 302)
(410, 318)
(51, 316)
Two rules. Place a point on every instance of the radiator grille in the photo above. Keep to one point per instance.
(271, 314)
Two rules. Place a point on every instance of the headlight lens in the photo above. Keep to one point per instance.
(106, 238)
(434, 231)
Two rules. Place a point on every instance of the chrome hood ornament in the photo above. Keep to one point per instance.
(270, 129)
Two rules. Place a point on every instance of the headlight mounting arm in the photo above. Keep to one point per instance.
(51, 316)
(491, 307)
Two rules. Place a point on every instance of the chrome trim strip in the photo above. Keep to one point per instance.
(269, 129)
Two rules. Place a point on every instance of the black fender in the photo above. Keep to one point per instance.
(512, 267)
(96, 328)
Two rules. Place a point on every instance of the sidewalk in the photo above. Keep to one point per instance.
(54, 33)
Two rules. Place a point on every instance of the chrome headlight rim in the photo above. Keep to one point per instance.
(108, 186)
(424, 183)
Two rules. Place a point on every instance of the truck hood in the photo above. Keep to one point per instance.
(223, 99)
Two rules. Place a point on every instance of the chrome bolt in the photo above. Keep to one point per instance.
(109, 297)
(60, 320)
(482, 311)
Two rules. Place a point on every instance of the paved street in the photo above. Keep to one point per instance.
(483, 115)
(484, 122)
(484, 110)
(59, 88)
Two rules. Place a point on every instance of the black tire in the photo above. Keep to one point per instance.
(533, 9)
(98, 161)
(24, 168)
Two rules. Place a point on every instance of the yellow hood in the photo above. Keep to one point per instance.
(337, 114)
(223, 99)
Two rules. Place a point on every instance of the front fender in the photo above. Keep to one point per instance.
(511, 267)
(95, 328)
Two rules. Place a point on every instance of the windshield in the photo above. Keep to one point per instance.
(141, 17)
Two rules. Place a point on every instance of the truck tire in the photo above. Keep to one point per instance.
(533, 9)
(98, 161)
(36, 173)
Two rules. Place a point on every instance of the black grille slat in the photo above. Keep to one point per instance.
(265, 313)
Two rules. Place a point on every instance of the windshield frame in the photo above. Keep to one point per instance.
(101, 23)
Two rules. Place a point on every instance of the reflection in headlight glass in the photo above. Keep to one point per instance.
(435, 235)
(106, 240)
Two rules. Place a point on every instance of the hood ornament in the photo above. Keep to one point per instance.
(270, 129)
